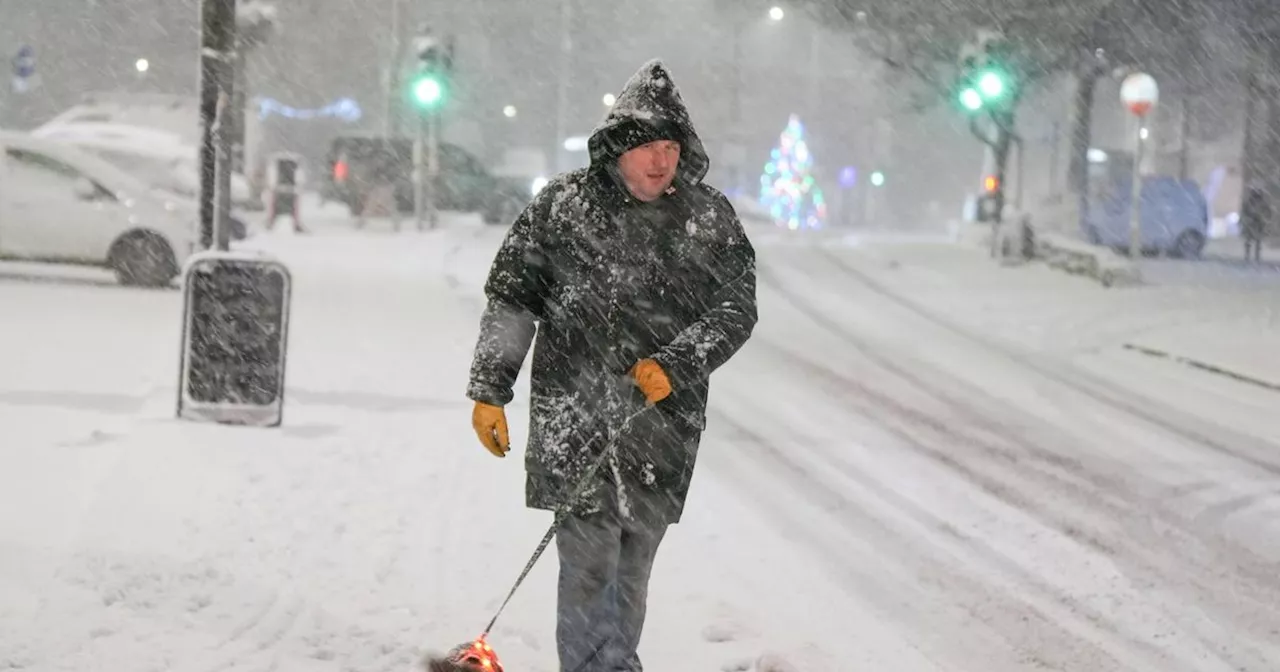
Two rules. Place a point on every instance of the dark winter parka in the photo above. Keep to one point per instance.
(606, 280)
(1255, 215)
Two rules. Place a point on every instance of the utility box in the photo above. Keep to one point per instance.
(235, 333)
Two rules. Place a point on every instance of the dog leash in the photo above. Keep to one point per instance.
(561, 512)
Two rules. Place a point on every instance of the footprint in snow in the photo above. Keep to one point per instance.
(720, 632)
(772, 662)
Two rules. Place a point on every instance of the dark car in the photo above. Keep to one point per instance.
(462, 185)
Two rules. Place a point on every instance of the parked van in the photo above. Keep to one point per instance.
(60, 204)
(1174, 220)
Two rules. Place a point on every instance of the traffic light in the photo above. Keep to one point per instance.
(986, 78)
(991, 201)
(428, 90)
(991, 84)
(429, 87)
(877, 179)
(988, 87)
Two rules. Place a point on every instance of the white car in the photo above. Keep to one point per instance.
(61, 204)
(158, 157)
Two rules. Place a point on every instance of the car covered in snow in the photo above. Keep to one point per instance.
(60, 204)
(159, 158)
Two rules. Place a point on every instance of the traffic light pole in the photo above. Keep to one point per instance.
(433, 167)
(217, 83)
(1135, 197)
(419, 173)
(426, 170)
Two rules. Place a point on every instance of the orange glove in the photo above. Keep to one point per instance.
(490, 423)
(652, 380)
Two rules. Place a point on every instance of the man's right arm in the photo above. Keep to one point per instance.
(516, 291)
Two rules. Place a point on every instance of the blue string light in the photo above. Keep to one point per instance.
(344, 109)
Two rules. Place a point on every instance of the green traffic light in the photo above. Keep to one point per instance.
(427, 91)
(991, 84)
(877, 179)
(971, 99)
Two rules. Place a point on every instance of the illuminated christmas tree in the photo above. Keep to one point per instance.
(787, 189)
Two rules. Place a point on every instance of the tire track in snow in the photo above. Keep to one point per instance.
(1046, 616)
(1163, 419)
(258, 636)
(1001, 479)
(1012, 458)
(1199, 523)
(1104, 483)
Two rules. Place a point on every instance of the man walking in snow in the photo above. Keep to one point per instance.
(639, 282)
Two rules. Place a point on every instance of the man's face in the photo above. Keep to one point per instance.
(649, 169)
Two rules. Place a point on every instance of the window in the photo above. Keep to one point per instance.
(40, 162)
(40, 178)
(158, 173)
(46, 179)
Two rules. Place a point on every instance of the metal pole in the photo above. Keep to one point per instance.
(815, 70)
(222, 170)
(735, 124)
(1054, 149)
(419, 173)
(217, 44)
(393, 72)
(1017, 197)
(1184, 131)
(562, 87)
(433, 166)
(1135, 204)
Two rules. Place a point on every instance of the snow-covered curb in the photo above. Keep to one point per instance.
(1078, 257)
(1205, 366)
(1236, 351)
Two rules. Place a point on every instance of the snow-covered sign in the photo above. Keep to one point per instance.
(234, 338)
(1139, 93)
(254, 11)
(24, 69)
(256, 22)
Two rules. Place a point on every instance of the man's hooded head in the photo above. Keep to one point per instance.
(647, 140)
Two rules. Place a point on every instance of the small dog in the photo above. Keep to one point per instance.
(475, 656)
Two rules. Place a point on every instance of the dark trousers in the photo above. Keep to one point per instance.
(1252, 249)
(605, 562)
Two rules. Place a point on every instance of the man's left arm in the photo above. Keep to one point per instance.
(731, 314)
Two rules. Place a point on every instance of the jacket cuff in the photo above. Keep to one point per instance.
(671, 366)
(488, 394)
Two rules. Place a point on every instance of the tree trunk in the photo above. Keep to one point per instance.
(1270, 142)
(1184, 133)
(1081, 132)
(1255, 165)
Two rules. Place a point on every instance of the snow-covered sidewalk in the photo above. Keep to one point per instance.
(369, 528)
(1222, 318)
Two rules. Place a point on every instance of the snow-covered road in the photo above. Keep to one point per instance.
(884, 485)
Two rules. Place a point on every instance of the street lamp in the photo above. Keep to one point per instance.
(509, 111)
(776, 13)
(609, 99)
(142, 65)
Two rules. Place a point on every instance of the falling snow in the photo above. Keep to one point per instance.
(900, 436)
